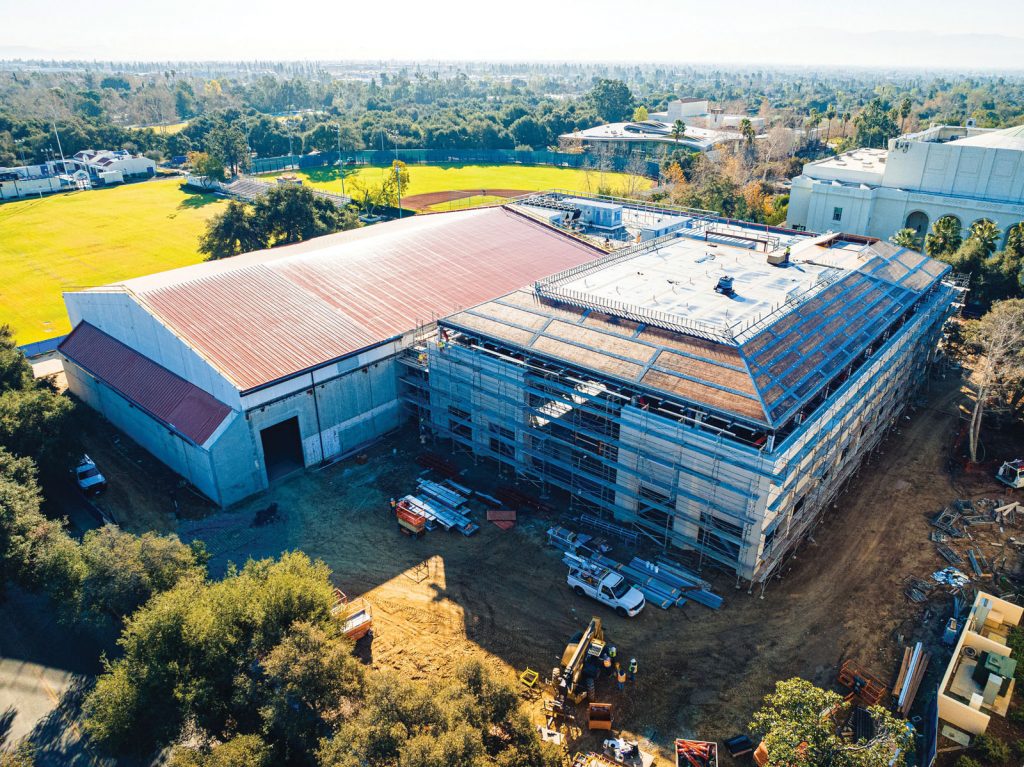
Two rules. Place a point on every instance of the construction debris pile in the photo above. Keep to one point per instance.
(972, 537)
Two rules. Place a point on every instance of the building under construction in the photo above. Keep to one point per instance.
(714, 386)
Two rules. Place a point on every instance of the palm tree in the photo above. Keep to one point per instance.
(748, 133)
(906, 238)
(985, 232)
(904, 112)
(846, 118)
(830, 115)
(945, 237)
(678, 130)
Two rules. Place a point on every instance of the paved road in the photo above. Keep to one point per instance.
(45, 669)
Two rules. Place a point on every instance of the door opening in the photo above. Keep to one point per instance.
(282, 449)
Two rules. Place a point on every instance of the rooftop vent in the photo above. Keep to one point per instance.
(724, 286)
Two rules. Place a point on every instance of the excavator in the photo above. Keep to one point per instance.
(588, 646)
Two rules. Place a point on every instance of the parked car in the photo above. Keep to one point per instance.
(87, 475)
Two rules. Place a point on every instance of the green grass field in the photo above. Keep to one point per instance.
(424, 179)
(84, 239)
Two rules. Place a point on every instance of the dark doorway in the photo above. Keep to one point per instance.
(282, 448)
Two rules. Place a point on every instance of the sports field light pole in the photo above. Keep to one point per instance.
(53, 111)
(398, 177)
(341, 172)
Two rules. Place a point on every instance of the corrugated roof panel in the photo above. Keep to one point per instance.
(170, 399)
(272, 314)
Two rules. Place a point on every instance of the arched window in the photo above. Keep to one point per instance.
(918, 221)
(1009, 231)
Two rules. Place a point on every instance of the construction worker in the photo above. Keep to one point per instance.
(620, 677)
(611, 652)
(632, 669)
(607, 660)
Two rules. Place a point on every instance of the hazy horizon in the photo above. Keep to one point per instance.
(806, 33)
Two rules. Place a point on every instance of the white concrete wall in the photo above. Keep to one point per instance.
(678, 110)
(191, 462)
(955, 169)
(882, 211)
(13, 190)
(118, 314)
(347, 412)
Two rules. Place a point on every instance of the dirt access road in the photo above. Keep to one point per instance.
(502, 596)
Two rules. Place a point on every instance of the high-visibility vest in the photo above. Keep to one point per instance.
(620, 675)
(632, 666)
(607, 662)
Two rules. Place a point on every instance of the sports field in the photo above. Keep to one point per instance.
(83, 239)
(482, 180)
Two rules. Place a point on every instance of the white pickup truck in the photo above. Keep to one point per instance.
(88, 477)
(607, 587)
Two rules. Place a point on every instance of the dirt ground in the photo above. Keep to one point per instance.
(502, 597)
(426, 200)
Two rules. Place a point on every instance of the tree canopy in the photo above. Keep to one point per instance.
(612, 99)
(283, 215)
(800, 725)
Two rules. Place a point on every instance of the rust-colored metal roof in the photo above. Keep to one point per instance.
(183, 407)
(263, 316)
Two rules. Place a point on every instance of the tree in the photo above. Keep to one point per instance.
(904, 112)
(22, 756)
(472, 719)
(944, 238)
(845, 120)
(527, 131)
(239, 751)
(308, 676)
(749, 134)
(36, 421)
(678, 130)
(640, 114)
(122, 571)
(985, 232)
(394, 184)
(907, 238)
(875, 125)
(997, 344)
(612, 99)
(195, 654)
(235, 230)
(798, 722)
(207, 167)
(228, 145)
(290, 214)
(35, 552)
(830, 115)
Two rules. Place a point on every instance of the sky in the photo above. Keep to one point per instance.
(983, 34)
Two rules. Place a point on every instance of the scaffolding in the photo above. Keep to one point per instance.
(740, 492)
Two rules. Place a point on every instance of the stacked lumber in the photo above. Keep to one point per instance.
(911, 673)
